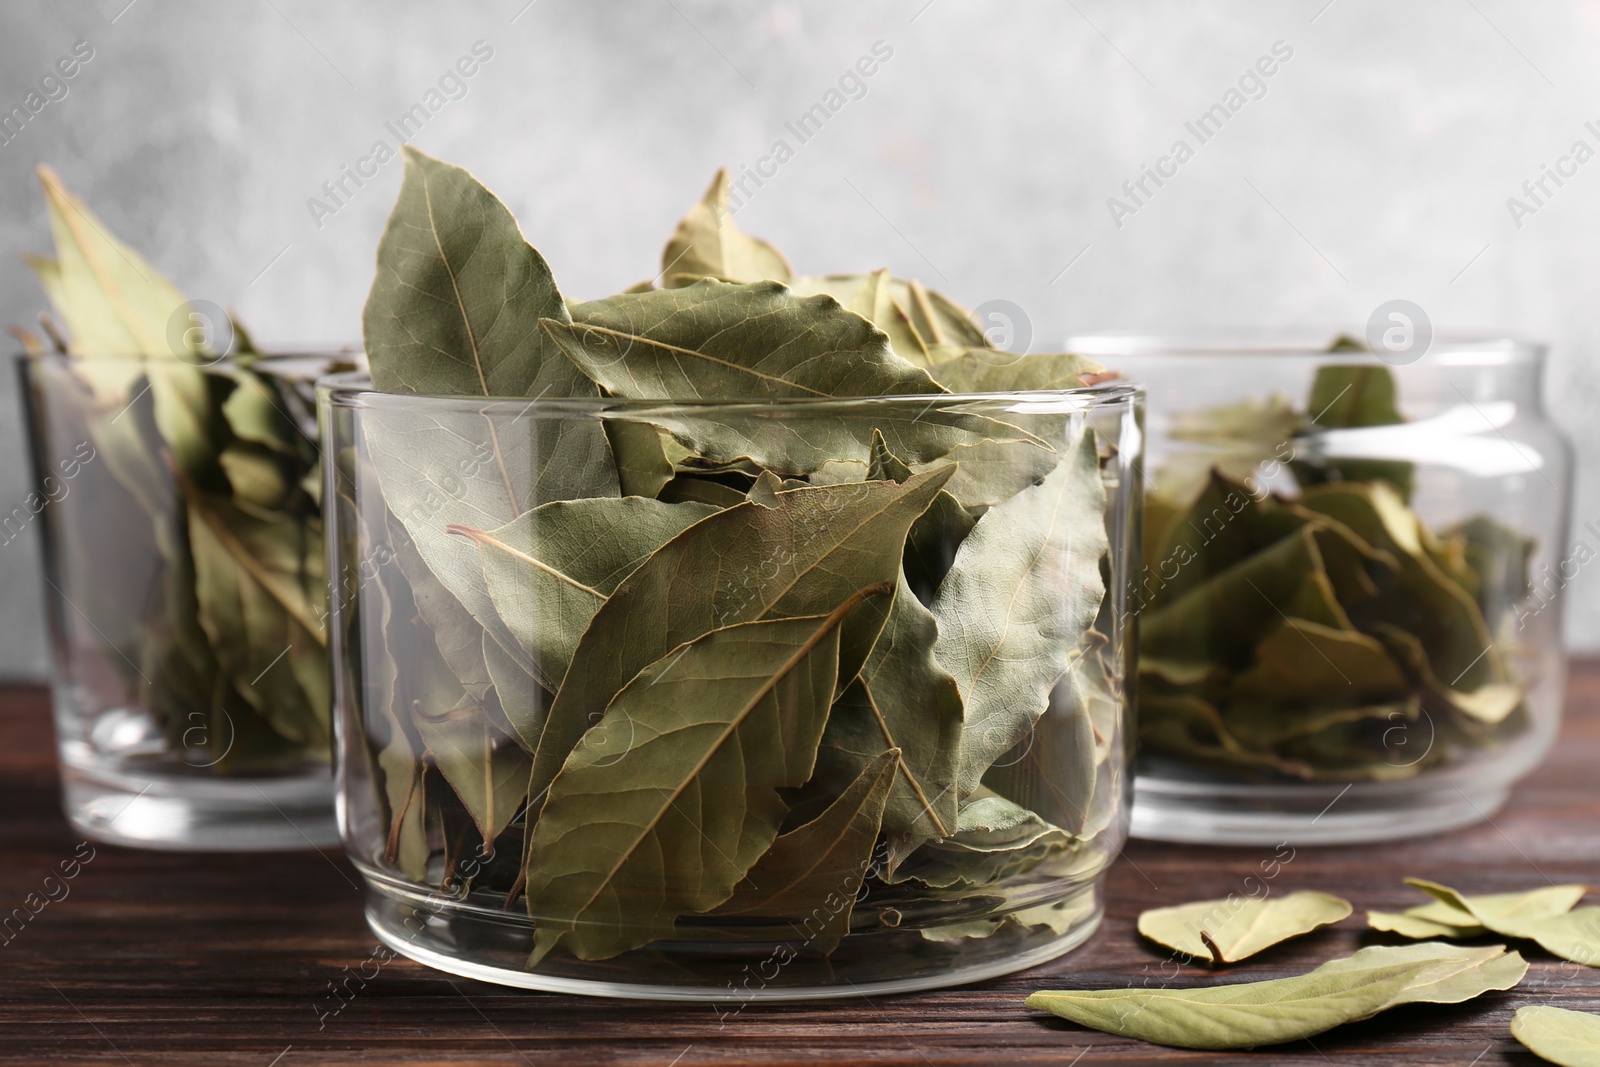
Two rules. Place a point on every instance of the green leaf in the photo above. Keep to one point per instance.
(259, 580)
(549, 570)
(1287, 1009)
(1354, 397)
(760, 342)
(1238, 441)
(1560, 1035)
(455, 310)
(112, 301)
(488, 772)
(1414, 924)
(989, 370)
(743, 564)
(994, 839)
(1545, 915)
(1236, 928)
(906, 701)
(936, 321)
(1013, 611)
(820, 865)
(707, 243)
(716, 729)
(455, 307)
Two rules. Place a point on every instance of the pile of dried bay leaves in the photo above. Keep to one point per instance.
(680, 669)
(1324, 635)
(194, 549)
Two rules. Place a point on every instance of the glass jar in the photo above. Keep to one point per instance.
(179, 507)
(841, 711)
(1348, 604)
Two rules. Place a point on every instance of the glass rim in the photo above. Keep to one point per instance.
(346, 352)
(353, 389)
(1448, 348)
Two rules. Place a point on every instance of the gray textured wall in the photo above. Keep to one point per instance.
(1376, 165)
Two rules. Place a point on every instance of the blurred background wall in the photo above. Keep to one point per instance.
(1376, 162)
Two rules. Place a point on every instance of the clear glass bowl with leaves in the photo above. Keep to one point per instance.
(1349, 612)
(178, 498)
(703, 646)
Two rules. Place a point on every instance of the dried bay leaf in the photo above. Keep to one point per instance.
(1421, 928)
(994, 839)
(455, 310)
(549, 570)
(715, 728)
(708, 244)
(487, 770)
(989, 370)
(1013, 611)
(905, 700)
(1251, 1014)
(1227, 931)
(1545, 915)
(746, 563)
(808, 880)
(1347, 397)
(759, 342)
(937, 320)
(1560, 1035)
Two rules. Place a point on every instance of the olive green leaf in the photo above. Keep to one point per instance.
(259, 591)
(1229, 930)
(1013, 611)
(1545, 915)
(112, 302)
(749, 562)
(989, 370)
(1354, 397)
(644, 456)
(905, 700)
(1286, 1009)
(938, 321)
(994, 839)
(708, 244)
(457, 635)
(1417, 924)
(1560, 1035)
(822, 862)
(1497, 558)
(487, 770)
(760, 342)
(455, 305)
(934, 538)
(549, 570)
(455, 309)
(715, 729)
(1244, 440)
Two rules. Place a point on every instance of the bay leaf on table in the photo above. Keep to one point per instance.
(1250, 1014)
(1013, 611)
(759, 342)
(825, 859)
(1229, 930)
(1546, 915)
(745, 563)
(708, 244)
(1421, 928)
(549, 570)
(691, 802)
(1560, 1035)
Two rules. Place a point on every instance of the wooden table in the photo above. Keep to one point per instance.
(156, 958)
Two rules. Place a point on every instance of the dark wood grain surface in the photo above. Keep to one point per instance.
(155, 958)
